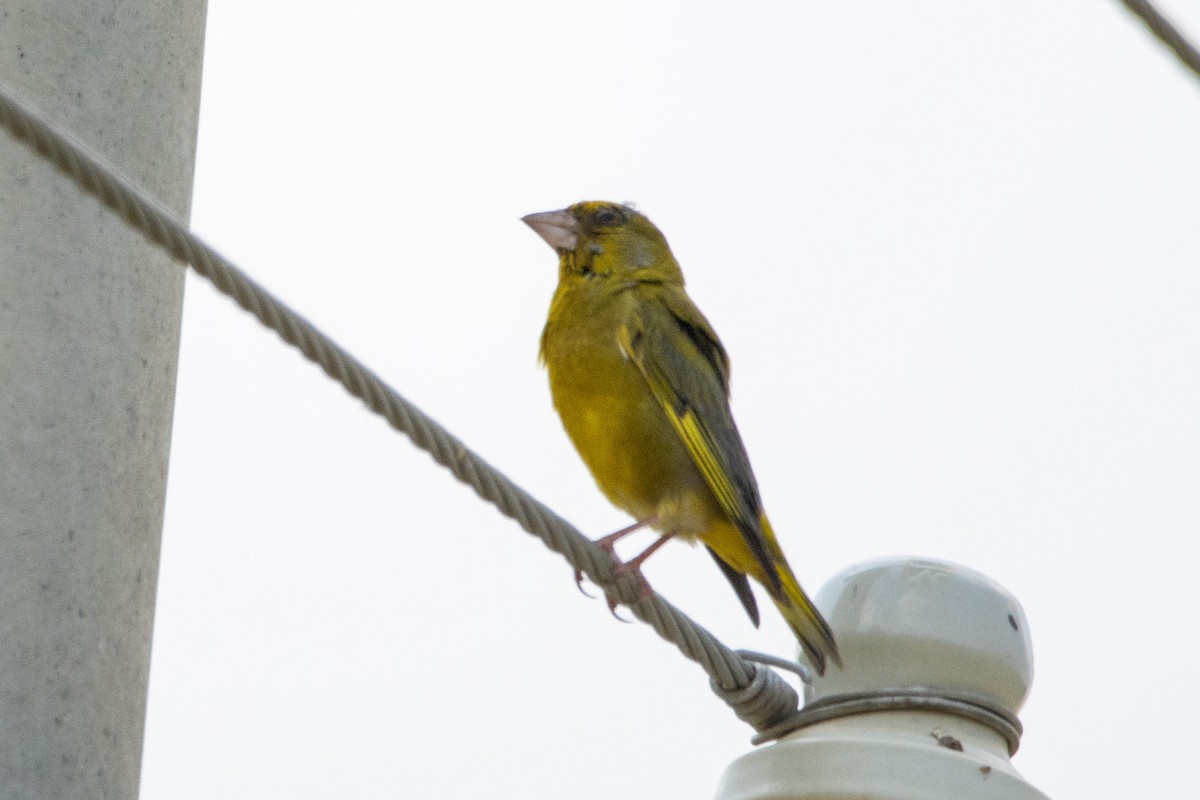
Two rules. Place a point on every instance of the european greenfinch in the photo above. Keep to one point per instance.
(641, 383)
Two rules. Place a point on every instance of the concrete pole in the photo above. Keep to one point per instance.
(89, 336)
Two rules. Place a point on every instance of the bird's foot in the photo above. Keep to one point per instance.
(631, 567)
(609, 545)
(619, 569)
(634, 567)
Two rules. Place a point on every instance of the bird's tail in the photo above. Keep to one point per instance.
(767, 565)
(806, 622)
(802, 616)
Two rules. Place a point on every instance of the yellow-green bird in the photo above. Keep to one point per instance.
(641, 382)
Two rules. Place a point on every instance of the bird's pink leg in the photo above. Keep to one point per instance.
(634, 564)
(609, 542)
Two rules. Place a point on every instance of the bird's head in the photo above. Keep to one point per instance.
(599, 239)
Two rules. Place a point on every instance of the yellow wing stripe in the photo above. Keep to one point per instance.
(697, 444)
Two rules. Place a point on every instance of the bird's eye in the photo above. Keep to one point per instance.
(607, 216)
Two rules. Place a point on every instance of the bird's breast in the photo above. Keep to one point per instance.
(620, 430)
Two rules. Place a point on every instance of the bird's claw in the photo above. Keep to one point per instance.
(612, 607)
(579, 585)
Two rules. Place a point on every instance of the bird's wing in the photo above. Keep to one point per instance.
(686, 368)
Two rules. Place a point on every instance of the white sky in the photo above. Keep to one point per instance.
(952, 249)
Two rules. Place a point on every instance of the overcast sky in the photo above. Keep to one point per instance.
(952, 249)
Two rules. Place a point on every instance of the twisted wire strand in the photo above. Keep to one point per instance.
(1167, 33)
(758, 695)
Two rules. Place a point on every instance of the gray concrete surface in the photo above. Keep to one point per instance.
(89, 334)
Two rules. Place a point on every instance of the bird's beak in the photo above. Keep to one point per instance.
(558, 228)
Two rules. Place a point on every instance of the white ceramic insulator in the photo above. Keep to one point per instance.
(906, 627)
